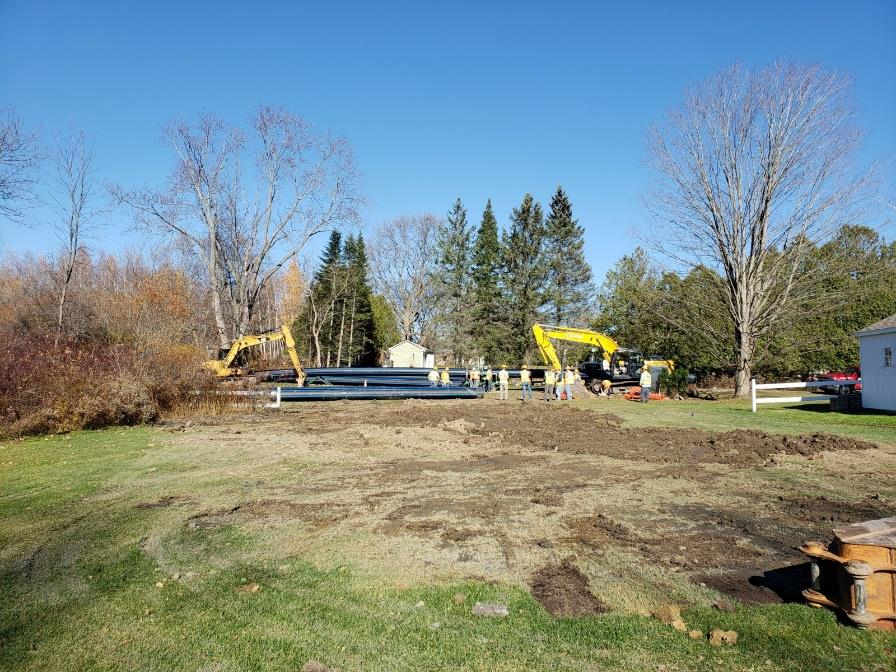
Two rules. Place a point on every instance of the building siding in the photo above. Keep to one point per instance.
(878, 380)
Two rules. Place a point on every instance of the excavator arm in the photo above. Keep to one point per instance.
(544, 333)
(222, 367)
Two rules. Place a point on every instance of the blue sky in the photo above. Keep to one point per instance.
(478, 100)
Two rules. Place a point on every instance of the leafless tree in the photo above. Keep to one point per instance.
(18, 158)
(74, 164)
(303, 183)
(755, 168)
(403, 259)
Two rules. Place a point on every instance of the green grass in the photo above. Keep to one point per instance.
(730, 414)
(79, 590)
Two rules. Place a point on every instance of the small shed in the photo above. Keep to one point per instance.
(410, 354)
(877, 356)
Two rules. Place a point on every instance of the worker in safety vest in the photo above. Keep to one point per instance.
(525, 383)
(433, 378)
(569, 377)
(646, 383)
(549, 380)
(489, 376)
(445, 377)
(605, 387)
(503, 379)
(474, 378)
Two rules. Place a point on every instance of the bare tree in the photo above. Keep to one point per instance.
(755, 168)
(303, 183)
(73, 162)
(18, 159)
(404, 258)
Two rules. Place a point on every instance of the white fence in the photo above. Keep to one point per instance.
(754, 387)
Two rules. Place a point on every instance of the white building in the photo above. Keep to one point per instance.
(410, 354)
(877, 354)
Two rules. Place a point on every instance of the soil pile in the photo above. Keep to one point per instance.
(563, 591)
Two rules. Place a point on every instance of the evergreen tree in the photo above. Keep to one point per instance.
(315, 326)
(568, 290)
(452, 280)
(360, 328)
(524, 274)
(486, 290)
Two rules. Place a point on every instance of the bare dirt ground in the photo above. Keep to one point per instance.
(590, 515)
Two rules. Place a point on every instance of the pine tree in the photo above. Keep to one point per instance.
(453, 281)
(486, 290)
(361, 348)
(569, 289)
(315, 326)
(525, 272)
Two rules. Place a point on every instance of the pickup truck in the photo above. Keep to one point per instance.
(842, 382)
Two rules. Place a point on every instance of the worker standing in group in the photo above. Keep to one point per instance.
(549, 380)
(433, 378)
(489, 376)
(446, 377)
(474, 378)
(503, 379)
(646, 384)
(568, 379)
(525, 383)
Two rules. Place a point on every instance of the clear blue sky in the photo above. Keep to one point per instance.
(475, 99)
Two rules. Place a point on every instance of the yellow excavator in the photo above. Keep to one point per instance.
(621, 366)
(224, 367)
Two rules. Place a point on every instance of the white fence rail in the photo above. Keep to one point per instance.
(754, 387)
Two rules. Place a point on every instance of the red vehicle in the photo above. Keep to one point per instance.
(842, 382)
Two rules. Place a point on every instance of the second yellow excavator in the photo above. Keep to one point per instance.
(621, 366)
(224, 367)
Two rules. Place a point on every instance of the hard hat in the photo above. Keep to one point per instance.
(525, 367)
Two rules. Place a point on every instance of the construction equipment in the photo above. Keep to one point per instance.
(621, 366)
(224, 367)
(856, 573)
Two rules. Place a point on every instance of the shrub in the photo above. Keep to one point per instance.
(674, 383)
(89, 385)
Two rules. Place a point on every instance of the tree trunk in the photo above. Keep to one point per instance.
(341, 332)
(351, 330)
(745, 346)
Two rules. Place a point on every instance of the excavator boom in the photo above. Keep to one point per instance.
(544, 333)
(222, 367)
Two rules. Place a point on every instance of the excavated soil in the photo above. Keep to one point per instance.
(563, 591)
(584, 432)
(503, 491)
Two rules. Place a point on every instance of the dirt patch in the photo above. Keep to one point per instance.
(586, 432)
(318, 514)
(164, 502)
(597, 531)
(563, 591)
(456, 535)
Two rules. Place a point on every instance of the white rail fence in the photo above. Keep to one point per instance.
(755, 387)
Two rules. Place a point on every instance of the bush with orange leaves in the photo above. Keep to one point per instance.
(87, 385)
(127, 355)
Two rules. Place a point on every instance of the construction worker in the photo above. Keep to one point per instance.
(568, 379)
(549, 380)
(489, 376)
(605, 387)
(503, 379)
(474, 378)
(433, 378)
(525, 383)
(646, 383)
(445, 377)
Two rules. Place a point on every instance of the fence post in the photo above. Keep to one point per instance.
(753, 392)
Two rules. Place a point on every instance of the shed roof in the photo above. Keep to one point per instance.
(411, 343)
(886, 324)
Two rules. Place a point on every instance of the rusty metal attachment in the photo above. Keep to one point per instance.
(856, 573)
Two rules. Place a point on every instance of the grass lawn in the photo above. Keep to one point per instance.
(80, 590)
(735, 414)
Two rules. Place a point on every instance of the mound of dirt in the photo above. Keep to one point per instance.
(563, 591)
(584, 432)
